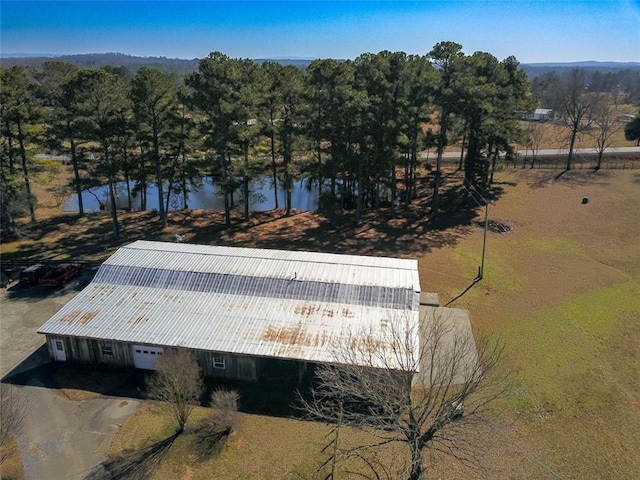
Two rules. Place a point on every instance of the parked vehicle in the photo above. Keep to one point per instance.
(32, 275)
(5, 278)
(60, 274)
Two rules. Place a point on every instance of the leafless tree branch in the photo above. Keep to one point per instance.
(13, 411)
(178, 383)
(423, 386)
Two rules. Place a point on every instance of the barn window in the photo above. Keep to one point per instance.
(107, 350)
(218, 362)
(59, 345)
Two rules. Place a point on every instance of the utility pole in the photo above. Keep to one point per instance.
(484, 238)
(485, 203)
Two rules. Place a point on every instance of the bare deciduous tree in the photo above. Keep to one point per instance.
(422, 391)
(178, 383)
(225, 405)
(534, 133)
(605, 125)
(577, 108)
(13, 410)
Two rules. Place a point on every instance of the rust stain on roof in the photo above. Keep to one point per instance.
(319, 339)
(366, 344)
(87, 317)
(305, 310)
(348, 313)
(289, 335)
(295, 336)
(101, 289)
(308, 310)
(70, 317)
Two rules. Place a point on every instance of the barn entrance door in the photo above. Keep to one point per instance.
(58, 351)
(145, 357)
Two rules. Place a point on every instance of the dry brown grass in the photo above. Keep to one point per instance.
(563, 291)
(11, 468)
(261, 448)
(556, 136)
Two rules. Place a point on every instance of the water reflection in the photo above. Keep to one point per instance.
(204, 196)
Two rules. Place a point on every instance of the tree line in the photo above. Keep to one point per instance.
(623, 85)
(586, 103)
(353, 128)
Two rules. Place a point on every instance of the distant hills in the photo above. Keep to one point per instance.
(96, 60)
(184, 66)
(537, 69)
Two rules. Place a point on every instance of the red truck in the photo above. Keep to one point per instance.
(60, 274)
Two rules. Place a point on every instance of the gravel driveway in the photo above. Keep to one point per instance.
(62, 438)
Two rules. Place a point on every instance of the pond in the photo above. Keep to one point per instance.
(203, 196)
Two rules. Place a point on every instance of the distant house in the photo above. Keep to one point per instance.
(242, 312)
(625, 118)
(542, 114)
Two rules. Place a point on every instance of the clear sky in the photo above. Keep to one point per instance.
(533, 31)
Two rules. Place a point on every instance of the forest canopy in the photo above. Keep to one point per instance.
(354, 128)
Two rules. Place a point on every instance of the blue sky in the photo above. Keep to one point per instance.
(533, 31)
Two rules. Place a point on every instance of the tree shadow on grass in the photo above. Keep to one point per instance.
(572, 178)
(84, 239)
(134, 464)
(406, 231)
(208, 439)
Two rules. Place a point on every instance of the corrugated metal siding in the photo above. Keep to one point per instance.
(305, 266)
(150, 301)
(297, 289)
(236, 366)
(85, 350)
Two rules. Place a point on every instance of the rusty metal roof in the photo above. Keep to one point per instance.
(292, 305)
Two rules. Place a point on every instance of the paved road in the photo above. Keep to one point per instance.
(542, 153)
(62, 439)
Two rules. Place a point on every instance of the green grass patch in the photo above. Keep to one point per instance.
(498, 271)
(564, 353)
(552, 245)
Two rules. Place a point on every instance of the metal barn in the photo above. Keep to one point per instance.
(237, 309)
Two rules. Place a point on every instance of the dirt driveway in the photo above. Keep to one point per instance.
(63, 438)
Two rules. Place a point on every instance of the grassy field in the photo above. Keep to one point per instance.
(555, 135)
(562, 289)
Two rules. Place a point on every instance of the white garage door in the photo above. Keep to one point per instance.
(145, 357)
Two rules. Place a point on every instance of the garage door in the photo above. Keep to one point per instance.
(145, 357)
